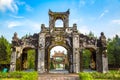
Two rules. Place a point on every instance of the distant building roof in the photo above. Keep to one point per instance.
(58, 54)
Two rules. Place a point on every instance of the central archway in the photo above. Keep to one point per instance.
(58, 58)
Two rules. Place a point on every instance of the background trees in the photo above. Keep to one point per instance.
(113, 49)
(31, 59)
(5, 51)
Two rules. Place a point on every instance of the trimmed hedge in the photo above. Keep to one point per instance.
(20, 75)
(112, 75)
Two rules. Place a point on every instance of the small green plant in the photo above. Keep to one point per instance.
(85, 76)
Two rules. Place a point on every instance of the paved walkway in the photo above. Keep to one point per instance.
(58, 76)
(58, 71)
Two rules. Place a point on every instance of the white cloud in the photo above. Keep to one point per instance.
(25, 5)
(24, 23)
(83, 29)
(77, 21)
(13, 24)
(117, 21)
(103, 13)
(8, 5)
(18, 17)
(13, 5)
(33, 24)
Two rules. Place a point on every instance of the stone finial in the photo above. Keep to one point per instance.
(15, 37)
(50, 12)
(68, 11)
(42, 27)
(103, 40)
(74, 27)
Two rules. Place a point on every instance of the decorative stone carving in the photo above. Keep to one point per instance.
(103, 40)
(65, 36)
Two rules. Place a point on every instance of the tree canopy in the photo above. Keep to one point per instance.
(5, 51)
(113, 49)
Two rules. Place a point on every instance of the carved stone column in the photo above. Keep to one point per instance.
(13, 60)
(76, 55)
(101, 57)
(41, 53)
(70, 61)
(105, 62)
(101, 61)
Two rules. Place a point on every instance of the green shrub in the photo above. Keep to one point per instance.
(85, 76)
(111, 75)
(20, 75)
(30, 76)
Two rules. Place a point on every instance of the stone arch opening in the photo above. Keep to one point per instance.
(59, 23)
(53, 16)
(26, 60)
(59, 55)
(88, 59)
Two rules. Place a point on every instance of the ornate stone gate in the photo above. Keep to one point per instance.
(65, 36)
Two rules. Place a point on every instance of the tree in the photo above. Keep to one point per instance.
(91, 34)
(5, 51)
(113, 49)
(31, 59)
(86, 58)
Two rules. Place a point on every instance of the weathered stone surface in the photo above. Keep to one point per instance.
(68, 37)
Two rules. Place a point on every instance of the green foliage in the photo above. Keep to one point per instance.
(51, 65)
(5, 51)
(91, 34)
(58, 59)
(66, 66)
(30, 76)
(31, 59)
(86, 58)
(20, 75)
(113, 49)
(112, 75)
(85, 76)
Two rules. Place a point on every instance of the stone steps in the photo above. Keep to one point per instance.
(58, 77)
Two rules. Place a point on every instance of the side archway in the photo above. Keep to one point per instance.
(88, 59)
(27, 59)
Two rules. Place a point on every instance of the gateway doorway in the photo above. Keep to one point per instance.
(58, 59)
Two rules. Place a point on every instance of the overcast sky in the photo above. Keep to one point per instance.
(26, 16)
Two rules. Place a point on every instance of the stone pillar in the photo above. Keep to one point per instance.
(71, 64)
(76, 55)
(101, 61)
(101, 56)
(13, 60)
(81, 60)
(105, 63)
(41, 53)
(77, 61)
